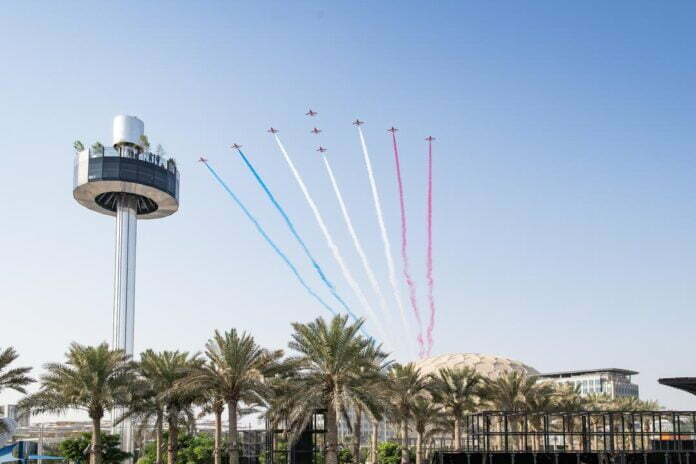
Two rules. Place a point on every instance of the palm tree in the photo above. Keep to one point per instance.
(92, 378)
(376, 417)
(456, 390)
(141, 408)
(633, 404)
(178, 401)
(156, 379)
(214, 404)
(335, 363)
(425, 414)
(405, 383)
(235, 371)
(538, 406)
(568, 399)
(164, 372)
(598, 402)
(368, 394)
(378, 411)
(628, 406)
(282, 403)
(14, 379)
(514, 392)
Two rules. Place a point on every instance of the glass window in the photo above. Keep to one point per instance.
(129, 170)
(95, 168)
(146, 175)
(110, 168)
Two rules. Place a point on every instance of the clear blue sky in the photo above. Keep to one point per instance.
(564, 179)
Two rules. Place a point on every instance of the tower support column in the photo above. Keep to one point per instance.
(124, 293)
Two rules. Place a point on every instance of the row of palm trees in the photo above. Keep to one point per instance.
(332, 369)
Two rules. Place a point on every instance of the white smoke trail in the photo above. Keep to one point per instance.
(383, 230)
(356, 241)
(332, 246)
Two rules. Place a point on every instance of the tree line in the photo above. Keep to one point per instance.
(331, 367)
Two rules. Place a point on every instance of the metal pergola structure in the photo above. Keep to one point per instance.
(580, 432)
(308, 447)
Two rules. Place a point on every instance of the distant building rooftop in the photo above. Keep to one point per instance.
(611, 370)
(688, 384)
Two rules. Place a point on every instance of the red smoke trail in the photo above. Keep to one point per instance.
(404, 248)
(429, 259)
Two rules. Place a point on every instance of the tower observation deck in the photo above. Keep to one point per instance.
(129, 182)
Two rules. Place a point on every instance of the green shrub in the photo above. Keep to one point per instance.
(345, 456)
(389, 452)
(192, 449)
(76, 450)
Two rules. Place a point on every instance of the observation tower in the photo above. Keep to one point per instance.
(129, 182)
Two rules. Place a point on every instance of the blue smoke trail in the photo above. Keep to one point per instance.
(295, 234)
(268, 239)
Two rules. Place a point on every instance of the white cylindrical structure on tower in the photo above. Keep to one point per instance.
(127, 129)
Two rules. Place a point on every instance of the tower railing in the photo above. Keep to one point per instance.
(147, 156)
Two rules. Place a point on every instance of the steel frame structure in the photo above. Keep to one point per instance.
(580, 432)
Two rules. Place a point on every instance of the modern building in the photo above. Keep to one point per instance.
(47, 435)
(129, 182)
(616, 383)
(7, 429)
(11, 420)
(11, 411)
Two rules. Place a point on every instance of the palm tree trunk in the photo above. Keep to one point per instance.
(419, 448)
(232, 432)
(357, 434)
(405, 458)
(173, 436)
(533, 429)
(218, 436)
(95, 452)
(373, 441)
(158, 437)
(331, 434)
(457, 434)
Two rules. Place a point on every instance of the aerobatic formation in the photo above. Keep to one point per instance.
(380, 317)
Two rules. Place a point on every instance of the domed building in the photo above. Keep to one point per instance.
(486, 365)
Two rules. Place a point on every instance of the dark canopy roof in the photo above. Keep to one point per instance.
(688, 384)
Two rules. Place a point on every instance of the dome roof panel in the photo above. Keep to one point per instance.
(485, 364)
